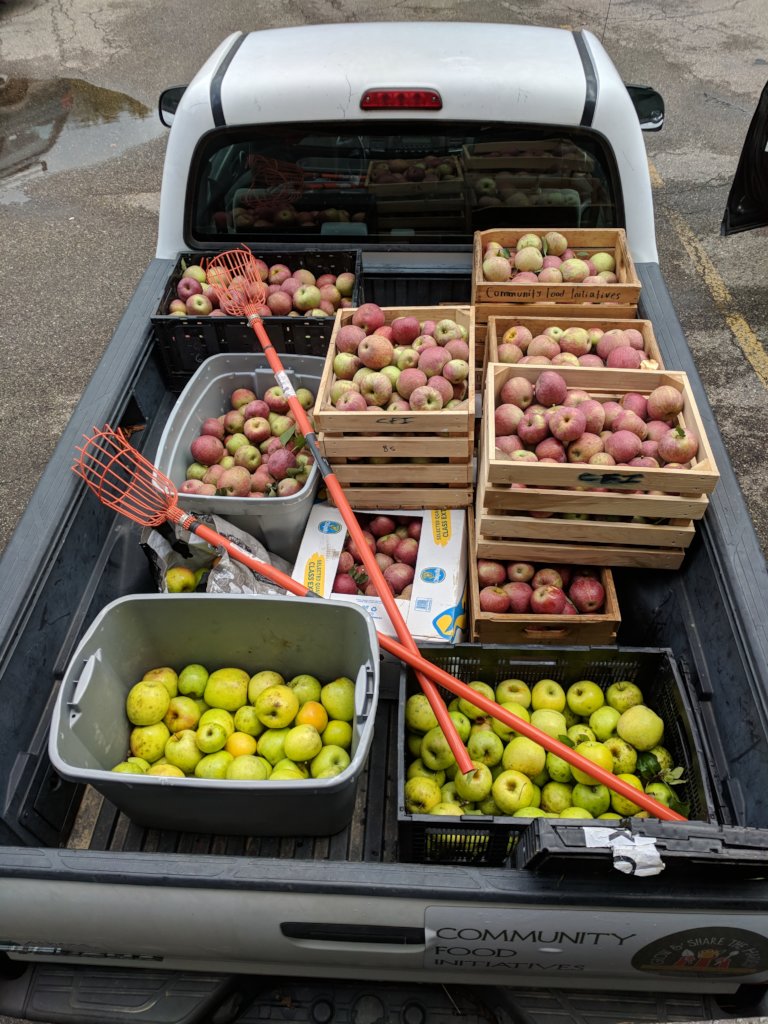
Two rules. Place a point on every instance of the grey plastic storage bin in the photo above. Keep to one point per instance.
(277, 522)
(90, 732)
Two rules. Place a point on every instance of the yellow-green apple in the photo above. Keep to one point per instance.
(329, 762)
(183, 713)
(485, 747)
(504, 731)
(468, 708)
(180, 580)
(435, 751)
(513, 690)
(339, 734)
(338, 699)
(640, 727)
(302, 743)
(595, 799)
(247, 720)
(148, 741)
(227, 688)
(261, 680)
(277, 706)
(548, 694)
(169, 770)
(623, 695)
(603, 722)
(192, 680)
(549, 721)
(598, 754)
(147, 702)
(271, 744)
(217, 715)
(418, 767)
(524, 755)
(419, 715)
(624, 755)
(421, 795)
(214, 766)
(512, 790)
(128, 768)
(475, 785)
(559, 769)
(584, 697)
(248, 767)
(211, 737)
(556, 796)
(620, 804)
(182, 750)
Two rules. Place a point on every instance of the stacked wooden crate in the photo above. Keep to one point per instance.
(406, 459)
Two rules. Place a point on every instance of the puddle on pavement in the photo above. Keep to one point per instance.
(52, 125)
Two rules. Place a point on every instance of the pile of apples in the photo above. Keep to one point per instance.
(394, 542)
(289, 292)
(506, 189)
(519, 588)
(550, 422)
(400, 366)
(426, 168)
(516, 776)
(576, 345)
(547, 259)
(260, 216)
(229, 724)
(253, 450)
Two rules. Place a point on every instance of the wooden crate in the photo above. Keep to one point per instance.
(512, 156)
(702, 477)
(626, 291)
(509, 628)
(497, 325)
(444, 439)
(406, 189)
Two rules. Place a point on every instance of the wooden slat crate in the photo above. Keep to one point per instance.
(512, 156)
(497, 325)
(408, 189)
(530, 628)
(443, 441)
(702, 477)
(626, 291)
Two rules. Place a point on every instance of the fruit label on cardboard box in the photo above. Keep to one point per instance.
(436, 610)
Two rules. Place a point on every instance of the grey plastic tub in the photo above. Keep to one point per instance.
(90, 732)
(277, 522)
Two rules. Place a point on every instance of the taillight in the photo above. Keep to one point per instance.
(401, 99)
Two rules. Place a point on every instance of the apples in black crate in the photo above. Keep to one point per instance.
(305, 288)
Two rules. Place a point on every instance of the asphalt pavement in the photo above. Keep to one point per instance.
(78, 220)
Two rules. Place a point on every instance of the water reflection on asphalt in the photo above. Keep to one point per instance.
(52, 125)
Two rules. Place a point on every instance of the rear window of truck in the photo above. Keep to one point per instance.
(383, 181)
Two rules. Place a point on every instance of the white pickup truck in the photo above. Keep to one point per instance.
(102, 920)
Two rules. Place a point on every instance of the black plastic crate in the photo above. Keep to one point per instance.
(183, 343)
(490, 841)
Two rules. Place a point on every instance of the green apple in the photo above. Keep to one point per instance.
(571, 718)
(127, 768)
(621, 804)
(435, 751)
(623, 695)
(541, 779)
(180, 580)
(169, 770)
(338, 699)
(596, 752)
(148, 741)
(248, 767)
(183, 713)
(580, 733)
(513, 691)
(556, 796)
(485, 747)
(511, 791)
(277, 706)
(331, 761)
(214, 766)
(305, 687)
(576, 812)
(339, 734)
(448, 809)
(640, 727)
(182, 750)
(524, 755)
(603, 722)
(489, 806)
(302, 743)
(530, 812)
(419, 716)
(260, 681)
(227, 688)
(506, 732)
(164, 675)
(549, 721)
(421, 795)
(202, 707)
(146, 703)
(609, 814)
(271, 744)
(663, 756)
(547, 694)
(192, 680)
(217, 715)
(247, 720)
(536, 798)
(462, 723)
(417, 767)
(662, 792)
(285, 764)
(144, 765)
(624, 755)
(468, 708)
(412, 742)
(449, 794)
(595, 799)
(211, 737)
(584, 698)
(559, 769)
(480, 725)
(475, 785)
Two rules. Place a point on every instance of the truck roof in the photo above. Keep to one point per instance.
(538, 74)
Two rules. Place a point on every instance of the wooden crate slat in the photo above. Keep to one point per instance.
(412, 498)
(405, 473)
(576, 310)
(582, 554)
(679, 533)
(339, 446)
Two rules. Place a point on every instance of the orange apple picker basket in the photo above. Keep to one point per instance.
(124, 480)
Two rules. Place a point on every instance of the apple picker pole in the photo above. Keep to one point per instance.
(235, 277)
(124, 480)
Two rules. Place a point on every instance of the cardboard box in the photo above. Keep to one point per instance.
(437, 609)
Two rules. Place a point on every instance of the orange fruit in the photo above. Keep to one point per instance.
(312, 713)
(240, 743)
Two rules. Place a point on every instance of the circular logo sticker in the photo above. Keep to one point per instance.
(432, 574)
(329, 526)
(707, 951)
